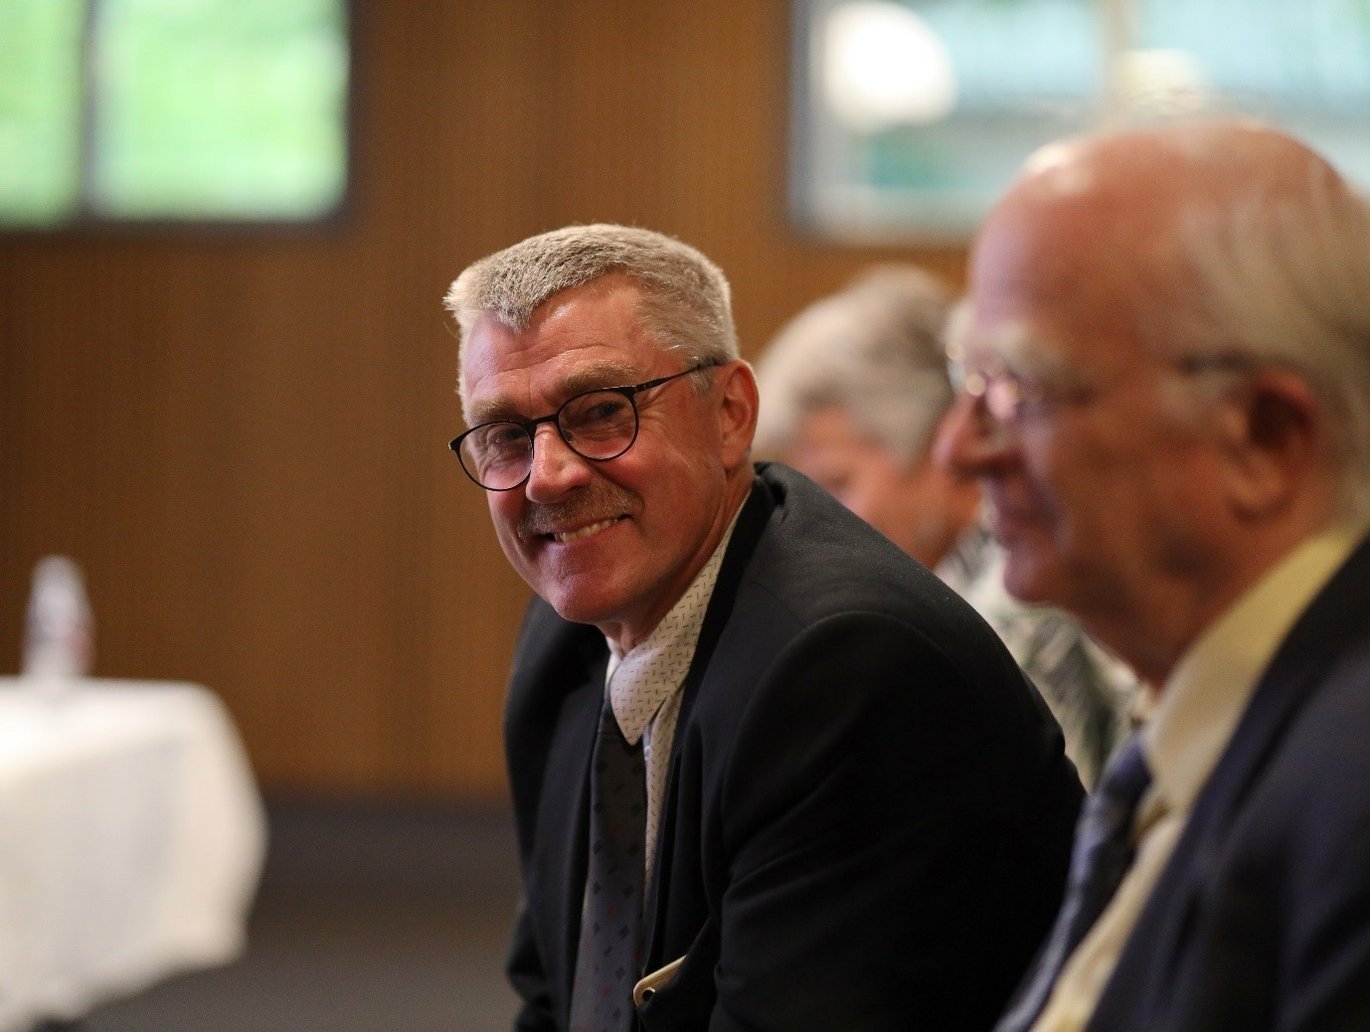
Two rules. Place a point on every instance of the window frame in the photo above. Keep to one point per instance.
(87, 223)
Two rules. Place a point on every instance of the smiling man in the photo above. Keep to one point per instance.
(768, 773)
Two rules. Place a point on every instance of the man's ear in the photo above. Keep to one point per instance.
(738, 402)
(1274, 435)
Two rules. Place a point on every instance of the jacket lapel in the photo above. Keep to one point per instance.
(1318, 639)
(555, 699)
(1150, 961)
(751, 523)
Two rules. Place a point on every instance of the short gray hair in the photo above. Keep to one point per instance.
(1281, 275)
(686, 298)
(875, 349)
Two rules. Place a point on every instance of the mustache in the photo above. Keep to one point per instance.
(536, 520)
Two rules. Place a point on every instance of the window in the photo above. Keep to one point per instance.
(911, 116)
(222, 110)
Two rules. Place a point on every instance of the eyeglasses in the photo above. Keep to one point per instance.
(598, 425)
(1011, 398)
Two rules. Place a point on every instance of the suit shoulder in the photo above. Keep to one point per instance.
(814, 559)
(551, 655)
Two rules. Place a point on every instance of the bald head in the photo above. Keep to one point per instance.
(1170, 331)
(1109, 225)
(1206, 238)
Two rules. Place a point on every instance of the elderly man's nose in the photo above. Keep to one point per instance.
(968, 437)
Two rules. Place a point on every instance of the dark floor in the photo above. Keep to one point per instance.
(369, 919)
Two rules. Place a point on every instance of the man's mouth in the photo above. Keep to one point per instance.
(589, 530)
(577, 518)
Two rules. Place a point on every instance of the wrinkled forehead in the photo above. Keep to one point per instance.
(585, 337)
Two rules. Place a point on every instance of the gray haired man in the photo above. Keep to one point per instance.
(767, 772)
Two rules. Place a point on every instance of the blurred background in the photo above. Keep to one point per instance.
(227, 384)
(239, 431)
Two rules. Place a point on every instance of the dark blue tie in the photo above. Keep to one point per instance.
(1102, 853)
(608, 960)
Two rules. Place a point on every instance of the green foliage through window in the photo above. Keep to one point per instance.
(225, 110)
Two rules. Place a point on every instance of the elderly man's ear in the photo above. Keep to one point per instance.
(1274, 434)
(737, 412)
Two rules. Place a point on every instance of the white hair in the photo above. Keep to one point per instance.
(1281, 275)
(874, 350)
(686, 300)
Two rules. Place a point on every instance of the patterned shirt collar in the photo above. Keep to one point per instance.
(655, 668)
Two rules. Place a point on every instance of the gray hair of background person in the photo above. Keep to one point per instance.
(1281, 275)
(686, 298)
(875, 350)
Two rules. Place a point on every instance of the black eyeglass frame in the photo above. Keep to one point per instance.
(529, 426)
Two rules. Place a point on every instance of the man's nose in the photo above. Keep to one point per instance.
(556, 469)
(969, 440)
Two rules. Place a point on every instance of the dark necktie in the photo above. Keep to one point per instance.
(608, 959)
(1101, 856)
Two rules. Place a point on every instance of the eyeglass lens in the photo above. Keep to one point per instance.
(1000, 389)
(599, 425)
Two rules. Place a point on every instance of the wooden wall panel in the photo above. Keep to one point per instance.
(241, 436)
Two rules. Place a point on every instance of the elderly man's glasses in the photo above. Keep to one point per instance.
(598, 425)
(1010, 398)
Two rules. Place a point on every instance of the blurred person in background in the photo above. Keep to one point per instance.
(853, 389)
(844, 808)
(1166, 356)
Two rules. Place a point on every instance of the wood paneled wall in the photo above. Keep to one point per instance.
(242, 437)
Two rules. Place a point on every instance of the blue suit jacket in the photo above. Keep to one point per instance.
(868, 815)
(1261, 920)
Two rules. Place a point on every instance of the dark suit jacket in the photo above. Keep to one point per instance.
(869, 811)
(1261, 920)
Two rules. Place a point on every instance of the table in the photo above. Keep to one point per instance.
(132, 838)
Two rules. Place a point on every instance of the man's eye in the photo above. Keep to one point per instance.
(504, 437)
(602, 408)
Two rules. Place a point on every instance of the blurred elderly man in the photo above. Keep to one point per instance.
(1166, 352)
(767, 773)
(853, 389)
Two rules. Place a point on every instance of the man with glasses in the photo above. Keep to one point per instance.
(767, 772)
(1165, 359)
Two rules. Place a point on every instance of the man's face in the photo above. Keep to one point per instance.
(612, 543)
(908, 503)
(1104, 495)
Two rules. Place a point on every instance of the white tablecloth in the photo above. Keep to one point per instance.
(131, 841)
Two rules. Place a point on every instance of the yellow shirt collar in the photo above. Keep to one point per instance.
(1201, 702)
